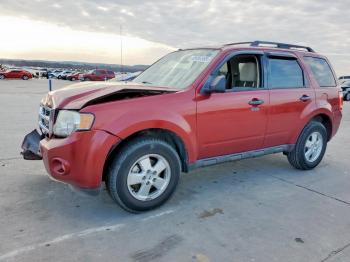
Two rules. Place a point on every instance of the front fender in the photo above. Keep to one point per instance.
(173, 112)
(182, 129)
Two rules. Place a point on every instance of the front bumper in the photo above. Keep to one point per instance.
(78, 159)
(30, 146)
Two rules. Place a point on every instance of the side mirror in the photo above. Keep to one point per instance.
(218, 85)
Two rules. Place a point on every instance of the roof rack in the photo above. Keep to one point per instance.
(275, 44)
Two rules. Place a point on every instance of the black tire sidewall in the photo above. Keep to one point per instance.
(118, 177)
(347, 96)
(312, 127)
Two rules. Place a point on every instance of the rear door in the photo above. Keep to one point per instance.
(290, 95)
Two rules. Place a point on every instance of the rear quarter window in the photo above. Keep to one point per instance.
(321, 71)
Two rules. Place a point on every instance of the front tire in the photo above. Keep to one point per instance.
(2, 77)
(143, 175)
(310, 147)
(25, 77)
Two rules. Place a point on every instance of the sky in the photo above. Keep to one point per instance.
(89, 30)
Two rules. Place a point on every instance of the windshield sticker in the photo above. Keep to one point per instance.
(201, 59)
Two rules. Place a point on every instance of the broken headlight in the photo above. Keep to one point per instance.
(69, 121)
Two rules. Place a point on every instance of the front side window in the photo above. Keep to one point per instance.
(285, 73)
(178, 69)
(321, 70)
(242, 72)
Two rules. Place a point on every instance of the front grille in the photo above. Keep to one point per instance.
(46, 115)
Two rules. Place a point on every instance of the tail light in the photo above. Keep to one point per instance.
(341, 100)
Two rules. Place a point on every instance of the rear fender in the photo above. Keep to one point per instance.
(307, 116)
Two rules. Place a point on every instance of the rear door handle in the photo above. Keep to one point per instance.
(255, 102)
(305, 98)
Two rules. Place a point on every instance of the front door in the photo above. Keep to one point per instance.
(234, 121)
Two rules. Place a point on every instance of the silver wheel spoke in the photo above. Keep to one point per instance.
(145, 164)
(135, 178)
(308, 143)
(159, 167)
(308, 154)
(159, 183)
(313, 137)
(144, 190)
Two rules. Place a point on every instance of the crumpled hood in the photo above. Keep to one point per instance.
(76, 96)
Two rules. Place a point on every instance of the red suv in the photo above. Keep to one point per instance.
(98, 75)
(20, 74)
(192, 108)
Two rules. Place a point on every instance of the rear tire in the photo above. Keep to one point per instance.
(143, 175)
(347, 96)
(87, 79)
(310, 147)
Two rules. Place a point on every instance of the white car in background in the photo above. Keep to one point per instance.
(345, 86)
(342, 79)
(64, 74)
(54, 74)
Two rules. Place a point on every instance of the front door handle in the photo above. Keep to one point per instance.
(255, 102)
(305, 98)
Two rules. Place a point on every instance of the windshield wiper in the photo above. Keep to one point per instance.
(145, 82)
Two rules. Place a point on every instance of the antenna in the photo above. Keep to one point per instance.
(121, 50)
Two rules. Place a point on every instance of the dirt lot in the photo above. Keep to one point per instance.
(252, 210)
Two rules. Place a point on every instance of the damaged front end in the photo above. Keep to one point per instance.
(31, 142)
(31, 146)
(75, 98)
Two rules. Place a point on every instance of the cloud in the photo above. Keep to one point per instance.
(321, 24)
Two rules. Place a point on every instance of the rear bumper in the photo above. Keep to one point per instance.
(79, 159)
(337, 116)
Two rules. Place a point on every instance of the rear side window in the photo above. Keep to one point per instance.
(321, 70)
(285, 73)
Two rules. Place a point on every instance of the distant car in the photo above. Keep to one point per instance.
(128, 76)
(342, 79)
(98, 75)
(74, 76)
(19, 74)
(54, 74)
(63, 75)
(345, 86)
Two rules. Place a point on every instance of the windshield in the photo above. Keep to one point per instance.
(178, 69)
